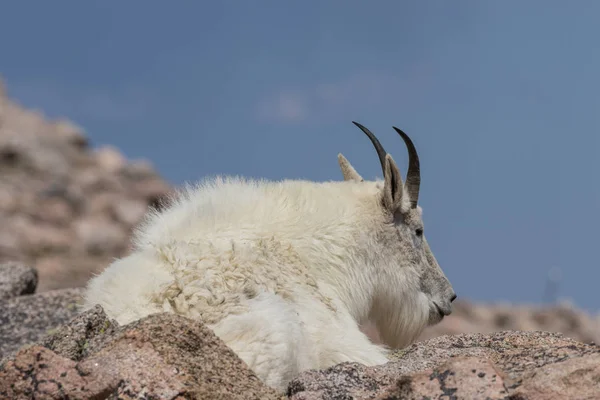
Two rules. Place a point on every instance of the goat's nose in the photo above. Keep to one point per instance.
(453, 298)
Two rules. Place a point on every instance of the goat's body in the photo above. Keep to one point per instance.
(266, 265)
(286, 272)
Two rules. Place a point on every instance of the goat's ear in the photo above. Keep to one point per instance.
(348, 170)
(392, 189)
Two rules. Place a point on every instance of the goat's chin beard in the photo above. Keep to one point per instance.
(403, 320)
(434, 316)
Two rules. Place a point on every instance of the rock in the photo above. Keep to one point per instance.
(434, 367)
(50, 180)
(460, 378)
(579, 378)
(39, 373)
(82, 335)
(27, 319)
(16, 280)
(513, 351)
(163, 356)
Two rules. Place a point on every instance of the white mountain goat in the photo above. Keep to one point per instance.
(286, 272)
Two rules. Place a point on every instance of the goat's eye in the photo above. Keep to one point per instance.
(419, 232)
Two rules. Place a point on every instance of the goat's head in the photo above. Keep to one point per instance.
(428, 295)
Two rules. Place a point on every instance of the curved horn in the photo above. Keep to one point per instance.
(380, 151)
(413, 175)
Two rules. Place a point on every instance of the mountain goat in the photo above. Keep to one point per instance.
(286, 272)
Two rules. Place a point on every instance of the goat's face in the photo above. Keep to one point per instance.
(413, 274)
(416, 256)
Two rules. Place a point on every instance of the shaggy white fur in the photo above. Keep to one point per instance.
(283, 272)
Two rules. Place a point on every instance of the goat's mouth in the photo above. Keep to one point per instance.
(435, 316)
(442, 312)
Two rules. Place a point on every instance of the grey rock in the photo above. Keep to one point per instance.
(16, 279)
(27, 319)
(81, 336)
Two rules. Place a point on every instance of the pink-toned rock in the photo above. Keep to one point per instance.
(163, 356)
(460, 378)
(41, 374)
(574, 379)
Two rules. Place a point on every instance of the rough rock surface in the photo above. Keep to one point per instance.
(66, 209)
(163, 356)
(503, 365)
(166, 356)
(82, 336)
(27, 319)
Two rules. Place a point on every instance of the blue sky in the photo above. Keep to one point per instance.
(501, 99)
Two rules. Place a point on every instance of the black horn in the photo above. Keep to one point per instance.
(413, 175)
(380, 151)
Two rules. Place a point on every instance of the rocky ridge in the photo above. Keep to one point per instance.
(65, 208)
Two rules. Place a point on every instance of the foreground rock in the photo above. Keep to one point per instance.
(83, 335)
(503, 365)
(27, 319)
(163, 356)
